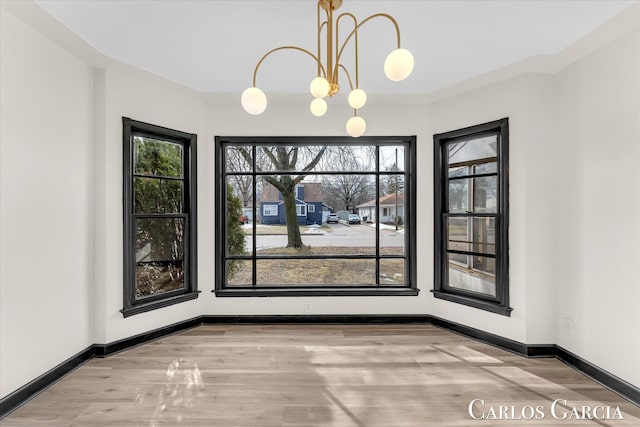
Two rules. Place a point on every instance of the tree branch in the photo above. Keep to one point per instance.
(312, 164)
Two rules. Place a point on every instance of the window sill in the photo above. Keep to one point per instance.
(143, 308)
(474, 302)
(300, 292)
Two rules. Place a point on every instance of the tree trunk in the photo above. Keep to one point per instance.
(294, 240)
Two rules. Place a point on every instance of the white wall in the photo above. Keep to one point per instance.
(519, 99)
(45, 204)
(226, 117)
(596, 273)
(140, 96)
(573, 131)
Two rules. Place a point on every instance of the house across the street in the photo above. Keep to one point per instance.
(387, 206)
(309, 205)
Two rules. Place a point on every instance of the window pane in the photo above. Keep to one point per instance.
(288, 158)
(459, 196)
(273, 203)
(485, 194)
(482, 229)
(460, 259)
(392, 272)
(239, 273)
(470, 280)
(485, 264)
(156, 195)
(484, 235)
(339, 239)
(458, 171)
(391, 158)
(392, 219)
(238, 226)
(316, 272)
(491, 167)
(458, 234)
(239, 158)
(390, 185)
(471, 151)
(242, 188)
(159, 255)
(160, 158)
(348, 193)
(349, 158)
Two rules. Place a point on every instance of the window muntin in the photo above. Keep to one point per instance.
(471, 201)
(382, 260)
(159, 221)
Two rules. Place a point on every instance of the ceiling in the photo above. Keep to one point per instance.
(213, 46)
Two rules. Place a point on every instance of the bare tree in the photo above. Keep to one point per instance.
(285, 159)
(348, 191)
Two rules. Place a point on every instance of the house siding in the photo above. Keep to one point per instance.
(272, 219)
(273, 197)
(314, 217)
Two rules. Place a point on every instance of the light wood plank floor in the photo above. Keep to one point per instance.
(314, 375)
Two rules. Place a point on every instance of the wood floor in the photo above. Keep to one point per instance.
(316, 375)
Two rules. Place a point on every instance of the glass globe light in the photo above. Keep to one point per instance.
(356, 126)
(398, 65)
(319, 87)
(318, 107)
(253, 100)
(357, 98)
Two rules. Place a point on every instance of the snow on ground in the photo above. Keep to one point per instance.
(386, 227)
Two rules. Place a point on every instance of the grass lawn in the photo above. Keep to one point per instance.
(325, 272)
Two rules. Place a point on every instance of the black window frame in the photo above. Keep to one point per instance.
(132, 305)
(411, 289)
(500, 303)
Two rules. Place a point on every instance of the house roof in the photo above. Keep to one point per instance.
(389, 199)
(312, 192)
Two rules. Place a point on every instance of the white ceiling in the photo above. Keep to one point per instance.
(213, 46)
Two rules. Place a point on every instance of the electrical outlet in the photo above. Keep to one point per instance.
(307, 307)
(567, 326)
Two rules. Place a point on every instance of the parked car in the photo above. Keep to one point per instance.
(332, 218)
(244, 219)
(354, 219)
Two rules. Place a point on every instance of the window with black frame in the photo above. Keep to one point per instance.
(288, 187)
(159, 217)
(471, 220)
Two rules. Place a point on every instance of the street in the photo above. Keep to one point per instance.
(341, 235)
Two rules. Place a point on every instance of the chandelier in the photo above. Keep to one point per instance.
(397, 66)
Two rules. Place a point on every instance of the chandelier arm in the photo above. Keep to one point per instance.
(320, 67)
(320, 25)
(355, 25)
(383, 15)
(348, 76)
(255, 71)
